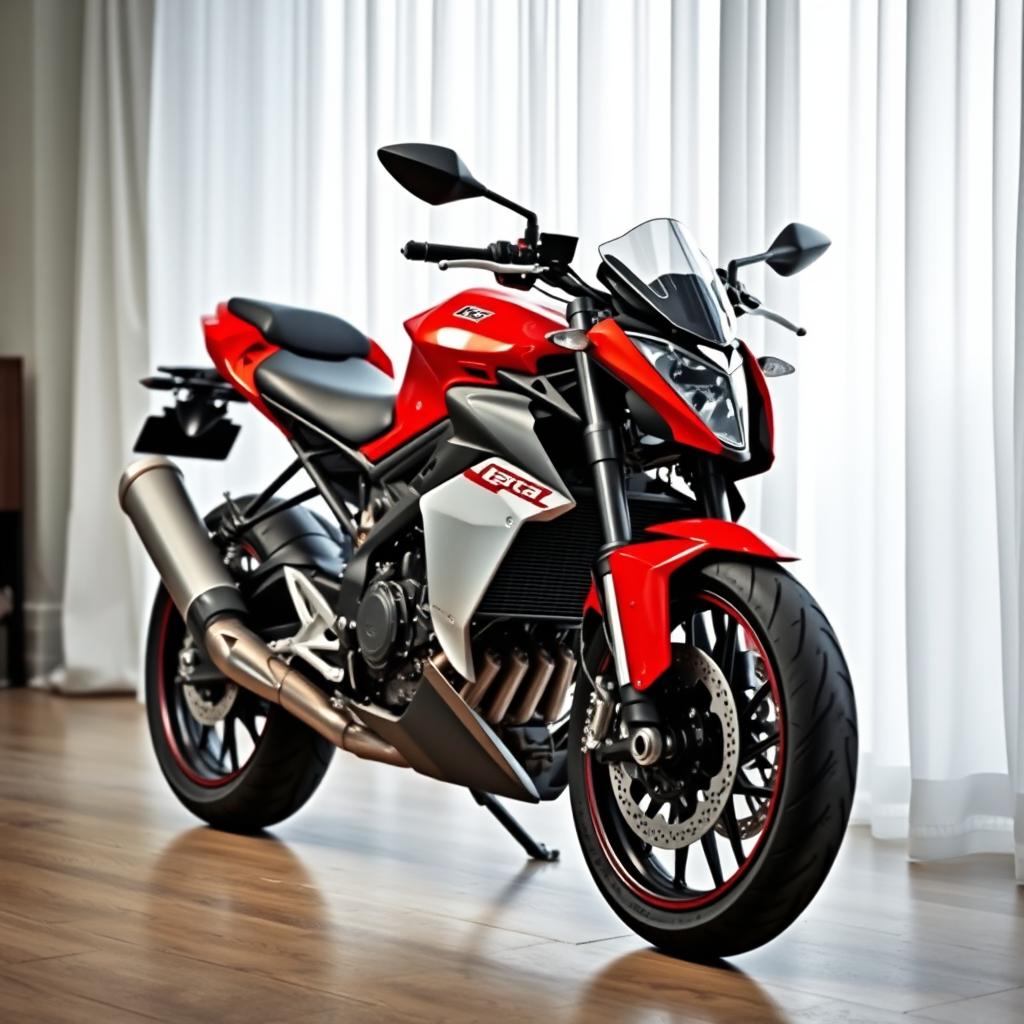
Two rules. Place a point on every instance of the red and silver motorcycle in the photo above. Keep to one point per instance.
(532, 577)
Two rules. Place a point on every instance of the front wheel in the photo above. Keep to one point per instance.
(720, 844)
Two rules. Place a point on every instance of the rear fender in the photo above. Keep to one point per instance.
(642, 573)
(295, 538)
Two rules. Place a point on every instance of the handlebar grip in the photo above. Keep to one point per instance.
(414, 250)
(433, 252)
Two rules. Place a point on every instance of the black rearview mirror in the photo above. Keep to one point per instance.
(437, 175)
(795, 248)
(434, 174)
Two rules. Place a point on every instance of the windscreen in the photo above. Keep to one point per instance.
(661, 261)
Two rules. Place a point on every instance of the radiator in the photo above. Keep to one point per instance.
(546, 574)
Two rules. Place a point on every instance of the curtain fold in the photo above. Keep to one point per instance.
(961, 796)
(1009, 68)
(103, 618)
(894, 125)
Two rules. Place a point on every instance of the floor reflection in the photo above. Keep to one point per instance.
(648, 986)
(275, 912)
(200, 868)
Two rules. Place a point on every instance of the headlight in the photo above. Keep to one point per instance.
(717, 394)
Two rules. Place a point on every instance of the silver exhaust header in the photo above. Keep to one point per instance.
(153, 496)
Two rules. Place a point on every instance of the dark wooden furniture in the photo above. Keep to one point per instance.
(12, 522)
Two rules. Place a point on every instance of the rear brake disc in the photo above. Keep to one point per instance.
(202, 705)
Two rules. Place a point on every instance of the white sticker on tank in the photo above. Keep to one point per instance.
(474, 313)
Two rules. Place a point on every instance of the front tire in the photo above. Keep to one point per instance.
(763, 869)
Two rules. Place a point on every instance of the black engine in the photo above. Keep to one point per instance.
(393, 622)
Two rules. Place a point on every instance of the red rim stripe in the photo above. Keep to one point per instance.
(165, 715)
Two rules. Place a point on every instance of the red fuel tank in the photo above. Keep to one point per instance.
(465, 340)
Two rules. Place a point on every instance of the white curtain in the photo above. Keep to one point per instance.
(103, 617)
(892, 125)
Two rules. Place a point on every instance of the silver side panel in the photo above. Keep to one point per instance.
(469, 523)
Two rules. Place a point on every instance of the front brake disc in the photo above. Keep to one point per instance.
(697, 669)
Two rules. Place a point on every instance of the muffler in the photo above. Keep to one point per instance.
(153, 496)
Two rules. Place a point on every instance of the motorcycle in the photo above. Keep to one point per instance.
(531, 579)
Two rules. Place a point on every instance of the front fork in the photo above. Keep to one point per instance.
(637, 711)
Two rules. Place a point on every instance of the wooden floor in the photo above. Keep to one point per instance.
(390, 897)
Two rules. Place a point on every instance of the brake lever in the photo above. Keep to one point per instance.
(493, 266)
(777, 318)
(744, 302)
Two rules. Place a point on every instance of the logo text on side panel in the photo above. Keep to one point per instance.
(495, 477)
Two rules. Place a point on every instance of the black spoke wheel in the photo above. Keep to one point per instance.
(678, 877)
(232, 759)
(212, 728)
(705, 871)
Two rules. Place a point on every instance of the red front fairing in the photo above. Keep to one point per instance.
(448, 349)
(760, 418)
(641, 573)
(618, 354)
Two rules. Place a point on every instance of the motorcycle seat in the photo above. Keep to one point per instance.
(302, 331)
(350, 400)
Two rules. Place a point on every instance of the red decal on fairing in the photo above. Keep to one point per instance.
(496, 478)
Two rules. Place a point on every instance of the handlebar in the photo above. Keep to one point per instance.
(514, 264)
(434, 252)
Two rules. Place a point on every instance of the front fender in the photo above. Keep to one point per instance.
(641, 574)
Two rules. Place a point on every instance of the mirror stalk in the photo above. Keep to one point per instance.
(532, 234)
(761, 257)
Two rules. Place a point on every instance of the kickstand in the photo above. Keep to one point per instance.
(537, 851)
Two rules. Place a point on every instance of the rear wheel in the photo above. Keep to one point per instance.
(234, 760)
(719, 845)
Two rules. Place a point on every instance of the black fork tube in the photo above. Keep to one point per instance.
(600, 446)
(601, 450)
(714, 492)
(600, 442)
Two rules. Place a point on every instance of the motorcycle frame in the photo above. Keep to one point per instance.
(632, 580)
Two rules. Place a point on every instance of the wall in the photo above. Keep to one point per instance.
(40, 61)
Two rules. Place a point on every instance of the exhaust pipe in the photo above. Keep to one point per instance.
(153, 496)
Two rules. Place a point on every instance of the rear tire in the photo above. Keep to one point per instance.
(287, 760)
(810, 804)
